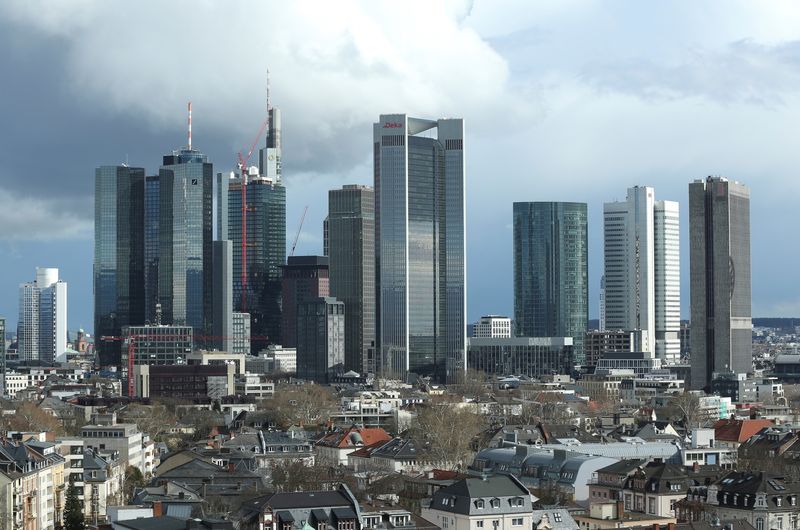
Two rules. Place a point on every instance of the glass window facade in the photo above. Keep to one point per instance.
(551, 294)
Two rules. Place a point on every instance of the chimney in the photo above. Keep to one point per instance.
(696, 466)
(656, 526)
(231, 467)
(671, 526)
(620, 510)
(157, 509)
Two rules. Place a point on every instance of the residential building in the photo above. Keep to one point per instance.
(528, 356)
(420, 246)
(598, 343)
(255, 385)
(320, 339)
(551, 278)
(609, 482)
(732, 433)
(642, 271)
(102, 479)
(304, 278)
(201, 474)
(350, 246)
(188, 382)
(719, 224)
(499, 502)
(119, 246)
(106, 435)
(553, 518)
(185, 245)
(492, 327)
(656, 488)
(703, 450)
(337, 509)
(334, 447)
(608, 515)
(42, 324)
(271, 447)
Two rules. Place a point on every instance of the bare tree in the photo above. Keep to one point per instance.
(29, 417)
(445, 432)
(471, 383)
(688, 406)
(303, 405)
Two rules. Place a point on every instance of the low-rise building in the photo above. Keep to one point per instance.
(605, 516)
(528, 356)
(256, 385)
(110, 436)
(333, 448)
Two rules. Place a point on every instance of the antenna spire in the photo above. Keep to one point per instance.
(190, 126)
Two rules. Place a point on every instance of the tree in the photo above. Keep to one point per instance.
(688, 405)
(152, 419)
(471, 383)
(295, 475)
(304, 405)
(73, 508)
(444, 433)
(29, 417)
(133, 479)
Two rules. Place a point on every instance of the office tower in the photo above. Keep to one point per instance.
(420, 246)
(158, 344)
(221, 214)
(642, 271)
(521, 356)
(240, 335)
(551, 278)
(118, 277)
(304, 278)
(350, 246)
(222, 295)
(719, 253)
(42, 324)
(667, 269)
(320, 338)
(2, 356)
(152, 243)
(492, 327)
(602, 342)
(266, 252)
(602, 320)
(185, 230)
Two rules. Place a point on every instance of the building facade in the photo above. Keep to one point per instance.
(420, 247)
(320, 339)
(304, 278)
(492, 326)
(598, 343)
(719, 223)
(350, 246)
(42, 324)
(185, 231)
(642, 270)
(528, 356)
(551, 279)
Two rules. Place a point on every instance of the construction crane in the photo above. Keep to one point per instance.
(131, 345)
(242, 163)
(299, 228)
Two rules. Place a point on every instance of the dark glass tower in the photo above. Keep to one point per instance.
(152, 221)
(350, 245)
(551, 293)
(185, 230)
(118, 277)
(420, 246)
(304, 278)
(719, 252)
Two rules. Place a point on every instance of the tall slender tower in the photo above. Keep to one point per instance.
(119, 247)
(42, 325)
(667, 280)
(551, 278)
(719, 222)
(420, 245)
(350, 245)
(185, 230)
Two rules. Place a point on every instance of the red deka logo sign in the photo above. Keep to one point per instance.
(393, 125)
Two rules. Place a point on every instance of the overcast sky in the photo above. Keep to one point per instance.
(563, 100)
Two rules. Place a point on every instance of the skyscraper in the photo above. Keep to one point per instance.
(304, 278)
(420, 245)
(118, 277)
(719, 222)
(266, 238)
(152, 245)
(222, 296)
(551, 291)
(350, 246)
(42, 324)
(642, 271)
(185, 230)
(321, 326)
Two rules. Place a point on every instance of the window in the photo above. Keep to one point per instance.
(651, 505)
(479, 524)
(479, 504)
(495, 503)
(517, 521)
(557, 517)
(780, 522)
(760, 523)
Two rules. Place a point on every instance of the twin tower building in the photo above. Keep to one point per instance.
(167, 244)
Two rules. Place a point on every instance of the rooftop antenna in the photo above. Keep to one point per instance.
(190, 126)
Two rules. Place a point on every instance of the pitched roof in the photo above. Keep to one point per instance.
(354, 437)
(153, 523)
(731, 430)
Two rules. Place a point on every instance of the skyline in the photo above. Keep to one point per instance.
(542, 126)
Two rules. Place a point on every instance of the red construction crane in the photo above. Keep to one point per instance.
(297, 235)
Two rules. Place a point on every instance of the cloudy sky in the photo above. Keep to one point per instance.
(563, 100)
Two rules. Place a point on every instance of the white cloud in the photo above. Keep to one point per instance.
(26, 218)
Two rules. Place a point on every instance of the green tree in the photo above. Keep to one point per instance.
(73, 508)
(133, 479)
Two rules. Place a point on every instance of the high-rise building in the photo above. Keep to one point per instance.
(492, 327)
(420, 246)
(2, 356)
(642, 271)
(350, 246)
(152, 245)
(304, 278)
(222, 296)
(602, 314)
(185, 230)
(241, 332)
(118, 277)
(320, 338)
(719, 252)
(42, 324)
(551, 278)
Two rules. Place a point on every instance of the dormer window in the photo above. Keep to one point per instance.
(480, 504)
(495, 503)
(793, 500)
(778, 501)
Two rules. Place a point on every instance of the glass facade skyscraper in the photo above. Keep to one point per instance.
(350, 245)
(420, 246)
(185, 231)
(551, 287)
(118, 275)
(152, 222)
(719, 252)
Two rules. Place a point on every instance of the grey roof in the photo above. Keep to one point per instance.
(623, 467)
(397, 449)
(556, 519)
(154, 523)
(459, 497)
(636, 448)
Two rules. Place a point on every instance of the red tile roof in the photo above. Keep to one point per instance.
(738, 430)
(355, 437)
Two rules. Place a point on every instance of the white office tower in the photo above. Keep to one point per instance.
(492, 327)
(642, 271)
(602, 323)
(42, 325)
(667, 281)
